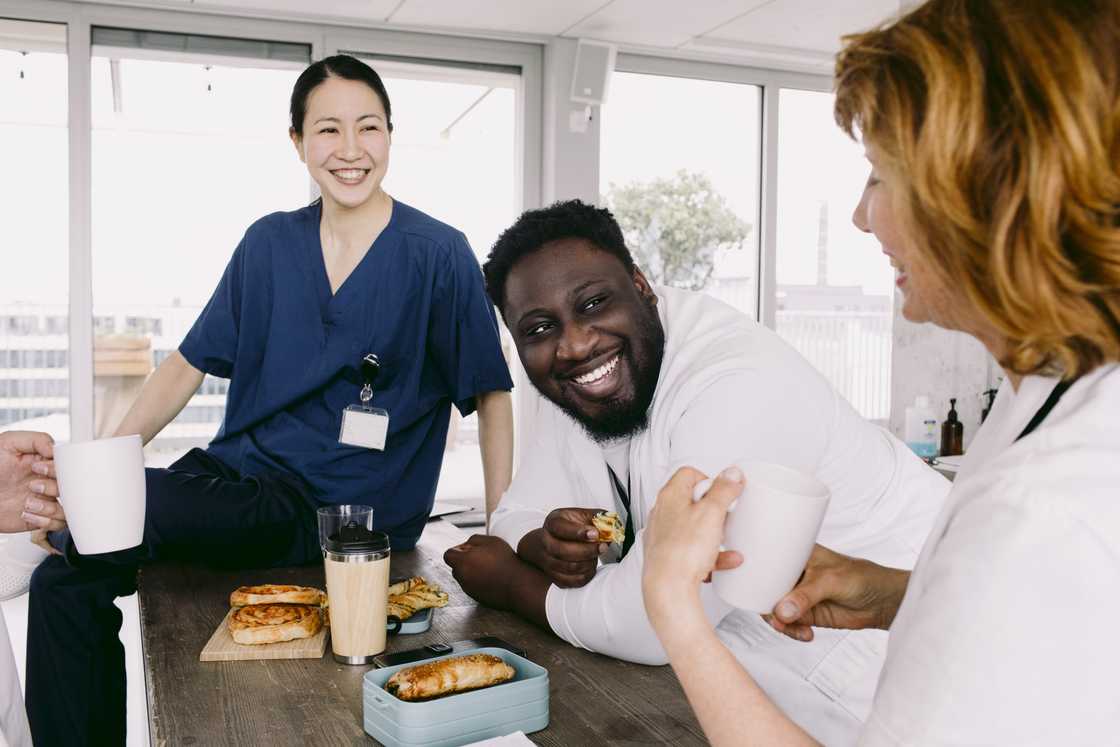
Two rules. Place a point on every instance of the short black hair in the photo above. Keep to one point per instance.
(339, 66)
(572, 219)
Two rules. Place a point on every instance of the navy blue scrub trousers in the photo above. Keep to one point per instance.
(197, 510)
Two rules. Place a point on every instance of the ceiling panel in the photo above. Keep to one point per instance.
(806, 24)
(660, 23)
(366, 10)
(546, 17)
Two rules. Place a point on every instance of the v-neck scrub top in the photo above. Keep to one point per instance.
(292, 351)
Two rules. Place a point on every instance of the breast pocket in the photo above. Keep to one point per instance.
(849, 673)
(842, 666)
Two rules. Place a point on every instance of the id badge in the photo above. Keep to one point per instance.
(364, 426)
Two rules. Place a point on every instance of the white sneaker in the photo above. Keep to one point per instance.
(18, 560)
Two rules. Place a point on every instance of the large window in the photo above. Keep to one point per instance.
(834, 293)
(34, 337)
(455, 157)
(188, 150)
(680, 170)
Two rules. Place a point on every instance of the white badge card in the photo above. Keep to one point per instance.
(367, 427)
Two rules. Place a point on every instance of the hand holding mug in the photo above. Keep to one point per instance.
(681, 541)
(838, 591)
(27, 484)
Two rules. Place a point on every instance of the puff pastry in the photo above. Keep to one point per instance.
(275, 594)
(610, 527)
(273, 623)
(402, 587)
(419, 597)
(447, 676)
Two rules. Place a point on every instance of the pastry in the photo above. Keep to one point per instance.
(273, 623)
(275, 594)
(419, 597)
(407, 585)
(610, 527)
(447, 676)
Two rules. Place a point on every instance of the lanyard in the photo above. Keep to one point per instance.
(624, 496)
(1047, 406)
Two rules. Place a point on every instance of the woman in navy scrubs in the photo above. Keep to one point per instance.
(306, 295)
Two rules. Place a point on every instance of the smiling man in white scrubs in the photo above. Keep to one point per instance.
(26, 477)
(638, 381)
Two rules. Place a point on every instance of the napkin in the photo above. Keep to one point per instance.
(517, 739)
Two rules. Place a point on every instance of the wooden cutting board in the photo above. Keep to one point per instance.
(222, 647)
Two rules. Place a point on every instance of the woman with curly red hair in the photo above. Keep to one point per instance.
(993, 132)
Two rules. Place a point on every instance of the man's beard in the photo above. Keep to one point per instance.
(622, 418)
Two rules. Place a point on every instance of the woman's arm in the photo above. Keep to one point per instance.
(732, 709)
(165, 393)
(495, 441)
(682, 542)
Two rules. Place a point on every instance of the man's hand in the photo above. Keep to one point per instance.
(837, 591)
(566, 548)
(28, 490)
(482, 566)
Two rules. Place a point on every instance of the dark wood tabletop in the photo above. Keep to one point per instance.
(593, 699)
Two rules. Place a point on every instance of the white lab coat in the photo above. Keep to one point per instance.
(1007, 634)
(731, 390)
(13, 718)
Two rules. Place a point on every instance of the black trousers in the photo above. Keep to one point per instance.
(197, 510)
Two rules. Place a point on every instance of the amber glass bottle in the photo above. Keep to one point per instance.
(952, 432)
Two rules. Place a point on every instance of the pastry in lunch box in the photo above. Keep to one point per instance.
(273, 623)
(447, 676)
(418, 597)
(275, 594)
(610, 527)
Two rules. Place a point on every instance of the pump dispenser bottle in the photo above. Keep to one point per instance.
(952, 432)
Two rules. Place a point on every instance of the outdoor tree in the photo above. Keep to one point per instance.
(674, 227)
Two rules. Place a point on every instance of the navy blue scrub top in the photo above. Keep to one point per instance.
(292, 351)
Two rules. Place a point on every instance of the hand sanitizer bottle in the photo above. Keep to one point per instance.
(921, 428)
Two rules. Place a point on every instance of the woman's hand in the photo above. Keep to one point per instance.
(681, 541)
(28, 490)
(837, 591)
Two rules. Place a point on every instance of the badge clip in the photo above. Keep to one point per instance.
(364, 425)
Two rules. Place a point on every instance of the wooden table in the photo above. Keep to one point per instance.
(594, 700)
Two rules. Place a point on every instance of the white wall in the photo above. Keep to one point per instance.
(941, 364)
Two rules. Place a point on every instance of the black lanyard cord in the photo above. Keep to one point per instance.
(1051, 402)
(624, 496)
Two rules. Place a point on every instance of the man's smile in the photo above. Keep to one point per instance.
(601, 381)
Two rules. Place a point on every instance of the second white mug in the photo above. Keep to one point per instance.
(774, 525)
(102, 488)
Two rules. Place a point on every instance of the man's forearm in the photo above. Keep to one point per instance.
(531, 548)
(528, 590)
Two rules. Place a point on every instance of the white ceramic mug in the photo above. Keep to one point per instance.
(774, 525)
(102, 489)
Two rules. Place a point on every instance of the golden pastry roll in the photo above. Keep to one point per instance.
(406, 605)
(407, 585)
(255, 624)
(275, 594)
(448, 676)
(610, 527)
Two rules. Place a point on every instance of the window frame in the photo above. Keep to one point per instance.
(770, 83)
(323, 39)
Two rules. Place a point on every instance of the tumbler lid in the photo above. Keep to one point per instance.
(353, 538)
